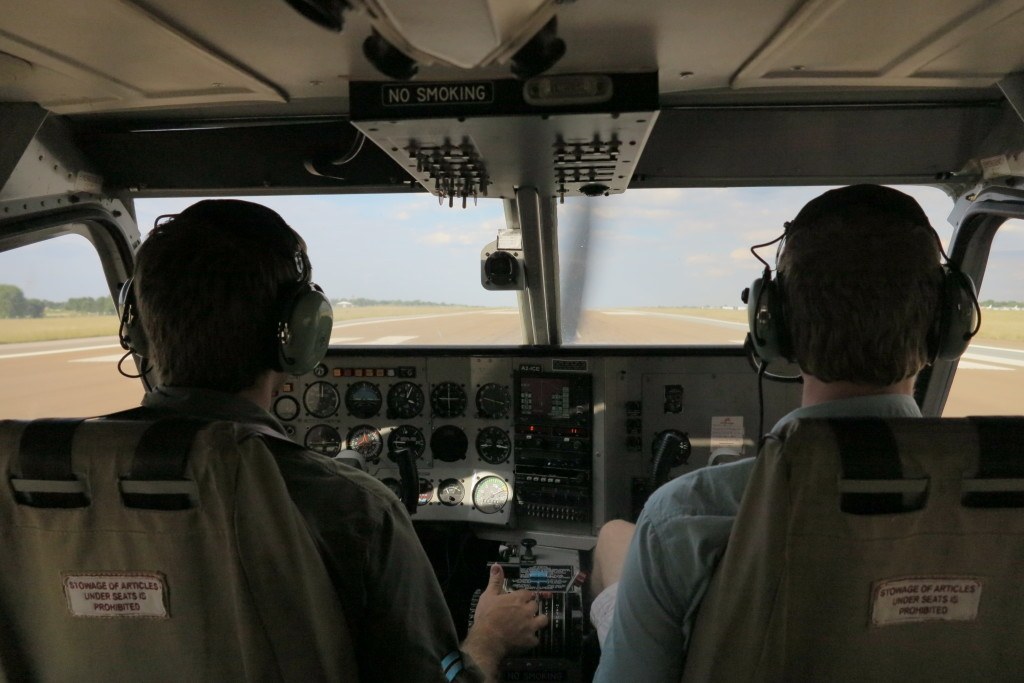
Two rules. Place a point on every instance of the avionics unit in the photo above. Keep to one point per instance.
(553, 428)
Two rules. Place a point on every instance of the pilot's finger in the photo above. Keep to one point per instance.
(540, 621)
(496, 579)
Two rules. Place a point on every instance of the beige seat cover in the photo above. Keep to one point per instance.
(230, 589)
(808, 592)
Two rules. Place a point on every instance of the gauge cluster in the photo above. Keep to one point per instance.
(453, 415)
(519, 440)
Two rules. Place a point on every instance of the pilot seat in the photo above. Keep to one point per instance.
(871, 550)
(163, 550)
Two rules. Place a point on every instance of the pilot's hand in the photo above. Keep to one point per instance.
(504, 623)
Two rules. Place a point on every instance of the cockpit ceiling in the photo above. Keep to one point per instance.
(262, 58)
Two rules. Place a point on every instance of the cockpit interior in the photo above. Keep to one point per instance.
(532, 431)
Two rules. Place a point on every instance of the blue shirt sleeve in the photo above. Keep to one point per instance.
(679, 539)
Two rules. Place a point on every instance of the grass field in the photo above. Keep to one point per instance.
(63, 327)
(80, 326)
(997, 326)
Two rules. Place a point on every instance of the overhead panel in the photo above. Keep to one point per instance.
(564, 135)
(912, 43)
(113, 54)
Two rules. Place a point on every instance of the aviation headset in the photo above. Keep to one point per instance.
(956, 320)
(305, 316)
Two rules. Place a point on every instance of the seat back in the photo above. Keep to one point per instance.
(869, 549)
(166, 550)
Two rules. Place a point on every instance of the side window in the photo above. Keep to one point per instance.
(990, 377)
(58, 334)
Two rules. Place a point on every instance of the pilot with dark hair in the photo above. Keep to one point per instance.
(210, 285)
(860, 280)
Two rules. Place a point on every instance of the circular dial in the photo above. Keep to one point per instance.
(448, 399)
(490, 494)
(321, 399)
(323, 439)
(493, 445)
(366, 441)
(451, 492)
(394, 485)
(405, 400)
(363, 399)
(493, 401)
(449, 443)
(286, 408)
(406, 438)
(426, 492)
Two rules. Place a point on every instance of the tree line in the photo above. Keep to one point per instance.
(360, 301)
(14, 304)
(991, 303)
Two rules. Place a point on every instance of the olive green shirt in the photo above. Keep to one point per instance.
(400, 624)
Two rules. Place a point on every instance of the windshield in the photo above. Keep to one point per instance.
(648, 267)
(667, 266)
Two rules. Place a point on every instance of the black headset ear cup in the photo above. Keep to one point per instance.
(132, 336)
(304, 329)
(956, 319)
(769, 331)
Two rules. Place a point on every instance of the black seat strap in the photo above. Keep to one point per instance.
(1000, 456)
(163, 450)
(45, 448)
(868, 450)
(162, 455)
(1000, 447)
(44, 454)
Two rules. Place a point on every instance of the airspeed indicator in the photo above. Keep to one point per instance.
(490, 494)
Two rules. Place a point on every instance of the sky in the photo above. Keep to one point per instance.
(671, 247)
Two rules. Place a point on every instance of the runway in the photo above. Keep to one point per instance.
(79, 377)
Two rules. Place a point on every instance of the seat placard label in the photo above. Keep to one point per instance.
(925, 598)
(116, 594)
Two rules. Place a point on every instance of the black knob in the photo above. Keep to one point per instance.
(528, 557)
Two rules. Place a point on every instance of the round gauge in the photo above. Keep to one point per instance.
(320, 370)
(286, 408)
(363, 399)
(406, 438)
(448, 399)
(493, 445)
(323, 439)
(405, 400)
(449, 443)
(451, 492)
(426, 492)
(321, 399)
(394, 485)
(493, 401)
(490, 494)
(366, 441)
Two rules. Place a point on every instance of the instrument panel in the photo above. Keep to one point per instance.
(518, 439)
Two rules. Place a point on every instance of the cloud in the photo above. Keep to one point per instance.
(742, 254)
(448, 238)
